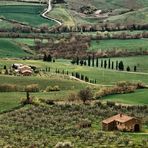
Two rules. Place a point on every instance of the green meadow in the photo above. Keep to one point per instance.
(137, 98)
(27, 14)
(129, 45)
(9, 48)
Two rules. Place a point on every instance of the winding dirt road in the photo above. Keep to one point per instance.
(48, 10)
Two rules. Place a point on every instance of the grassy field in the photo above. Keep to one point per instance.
(137, 17)
(137, 98)
(101, 75)
(28, 14)
(107, 4)
(129, 45)
(12, 99)
(10, 2)
(8, 48)
(60, 13)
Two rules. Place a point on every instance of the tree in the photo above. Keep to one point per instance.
(97, 62)
(112, 64)
(85, 94)
(93, 61)
(128, 68)
(5, 67)
(109, 64)
(117, 65)
(105, 64)
(101, 63)
(89, 59)
(121, 66)
(135, 68)
(77, 61)
(49, 58)
(73, 62)
(85, 63)
(81, 62)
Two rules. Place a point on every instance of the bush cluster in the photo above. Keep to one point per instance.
(8, 88)
(52, 88)
(32, 88)
(120, 88)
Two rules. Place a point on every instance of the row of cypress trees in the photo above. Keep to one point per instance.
(105, 63)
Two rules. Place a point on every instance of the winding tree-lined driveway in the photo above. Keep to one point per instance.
(47, 11)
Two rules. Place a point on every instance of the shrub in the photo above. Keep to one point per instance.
(85, 94)
(64, 145)
(32, 88)
(120, 88)
(84, 124)
(73, 97)
(8, 88)
(54, 88)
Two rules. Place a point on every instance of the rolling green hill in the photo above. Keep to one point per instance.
(8, 48)
(27, 14)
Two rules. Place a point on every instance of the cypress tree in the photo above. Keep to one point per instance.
(97, 62)
(121, 66)
(93, 60)
(128, 68)
(45, 57)
(101, 63)
(89, 59)
(109, 64)
(105, 64)
(77, 60)
(112, 64)
(117, 65)
(135, 68)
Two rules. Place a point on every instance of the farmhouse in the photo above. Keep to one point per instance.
(25, 70)
(122, 123)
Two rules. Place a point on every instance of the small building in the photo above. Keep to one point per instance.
(122, 123)
(25, 70)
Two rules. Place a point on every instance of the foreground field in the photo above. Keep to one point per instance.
(45, 126)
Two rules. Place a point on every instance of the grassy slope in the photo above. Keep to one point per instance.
(131, 45)
(27, 14)
(138, 17)
(10, 49)
(138, 98)
(10, 100)
(60, 13)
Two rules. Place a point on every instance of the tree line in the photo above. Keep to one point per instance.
(103, 63)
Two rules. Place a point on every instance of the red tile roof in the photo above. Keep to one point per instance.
(119, 118)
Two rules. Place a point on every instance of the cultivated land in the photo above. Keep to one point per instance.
(52, 117)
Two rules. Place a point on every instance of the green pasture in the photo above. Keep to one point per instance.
(62, 14)
(129, 45)
(27, 14)
(8, 48)
(137, 98)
